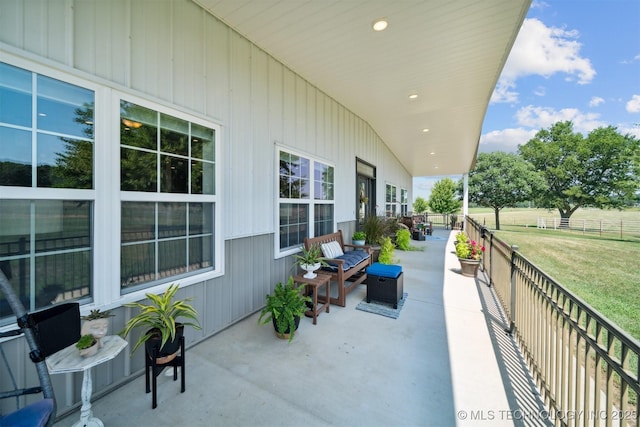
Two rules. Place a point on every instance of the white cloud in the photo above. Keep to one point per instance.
(505, 140)
(633, 105)
(595, 101)
(540, 91)
(545, 51)
(633, 130)
(544, 117)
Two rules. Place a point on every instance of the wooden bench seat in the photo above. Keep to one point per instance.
(350, 278)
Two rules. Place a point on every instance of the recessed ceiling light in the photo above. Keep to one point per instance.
(413, 96)
(432, 153)
(380, 24)
(425, 130)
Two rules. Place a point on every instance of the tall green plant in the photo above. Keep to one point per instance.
(161, 314)
(375, 228)
(387, 249)
(403, 239)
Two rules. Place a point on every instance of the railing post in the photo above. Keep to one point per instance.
(512, 324)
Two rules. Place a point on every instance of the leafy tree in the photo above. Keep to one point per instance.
(443, 198)
(500, 180)
(420, 205)
(598, 171)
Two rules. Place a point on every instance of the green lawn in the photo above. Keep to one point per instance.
(601, 271)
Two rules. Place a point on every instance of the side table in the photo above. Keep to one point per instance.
(69, 360)
(314, 285)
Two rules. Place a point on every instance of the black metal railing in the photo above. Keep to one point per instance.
(584, 365)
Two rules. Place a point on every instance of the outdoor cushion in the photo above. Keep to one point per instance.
(351, 258)
(384, 270)
(331, 249)
(34, 415)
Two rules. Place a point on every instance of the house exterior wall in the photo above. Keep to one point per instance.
(173, 52)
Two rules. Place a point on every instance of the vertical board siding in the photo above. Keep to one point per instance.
(173, 51)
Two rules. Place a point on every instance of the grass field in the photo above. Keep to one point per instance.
(602, 271)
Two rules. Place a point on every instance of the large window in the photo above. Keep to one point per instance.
(47, 181)
(306, 199)
(404, 202)
(167, 179)
(390, 201)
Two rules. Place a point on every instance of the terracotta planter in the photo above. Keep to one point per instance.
(469, 267)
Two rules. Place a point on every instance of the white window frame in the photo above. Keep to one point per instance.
(105, 194)
(310, 201)
(141, 196)
(391, 206)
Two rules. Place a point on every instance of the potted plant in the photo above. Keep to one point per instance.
(88, 345)
(164, 320)
(359, 238)
(469, 253)
(284, 307)
(96, 323)
(310, 260)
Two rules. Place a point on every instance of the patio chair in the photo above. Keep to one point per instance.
(46, 332)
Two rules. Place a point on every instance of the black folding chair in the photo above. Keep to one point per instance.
(46, 331)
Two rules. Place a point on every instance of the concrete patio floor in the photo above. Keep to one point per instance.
(445, 361)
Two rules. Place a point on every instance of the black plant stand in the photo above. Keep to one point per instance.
(153, 369)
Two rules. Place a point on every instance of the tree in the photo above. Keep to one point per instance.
(599, 171)
(500, 180)
(443, 198)
(420, 205)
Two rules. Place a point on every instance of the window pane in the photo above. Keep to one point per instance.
(174, 135)
(137, 264)
(200, 252)
(64, 162)
(15, 160)
(17, 272)
(200, 218)
(172, 220)
(62, 254)
(138, 221)
(202, 142)
(15, 95)
(138, 126)
(172, 258)
(202, 177)
(138, 170)
(294, 223)
(323, 219)
(174, 172)
(64, 108)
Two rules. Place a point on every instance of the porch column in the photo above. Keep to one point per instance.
(465, 194)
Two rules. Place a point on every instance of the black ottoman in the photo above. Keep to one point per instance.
(384, 283)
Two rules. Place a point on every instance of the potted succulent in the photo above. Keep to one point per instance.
(164, 320)
(469, 253)
(359, 238)
(310, 260)
(88, 345)
(96, 323)
(284, 307)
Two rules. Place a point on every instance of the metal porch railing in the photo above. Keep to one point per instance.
(586, 368)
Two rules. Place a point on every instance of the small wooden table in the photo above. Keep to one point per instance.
(314, 285)
(69, 360)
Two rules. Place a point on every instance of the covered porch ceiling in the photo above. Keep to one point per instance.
(449, 53)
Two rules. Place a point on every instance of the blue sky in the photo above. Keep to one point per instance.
(575, 60)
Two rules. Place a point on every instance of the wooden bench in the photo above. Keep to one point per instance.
(350, 278)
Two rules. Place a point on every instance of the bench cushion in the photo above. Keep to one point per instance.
(384, 270)
(351, 259)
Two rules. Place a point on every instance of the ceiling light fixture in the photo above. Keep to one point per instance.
(425, 130)
(380, 24)
(413, 96)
